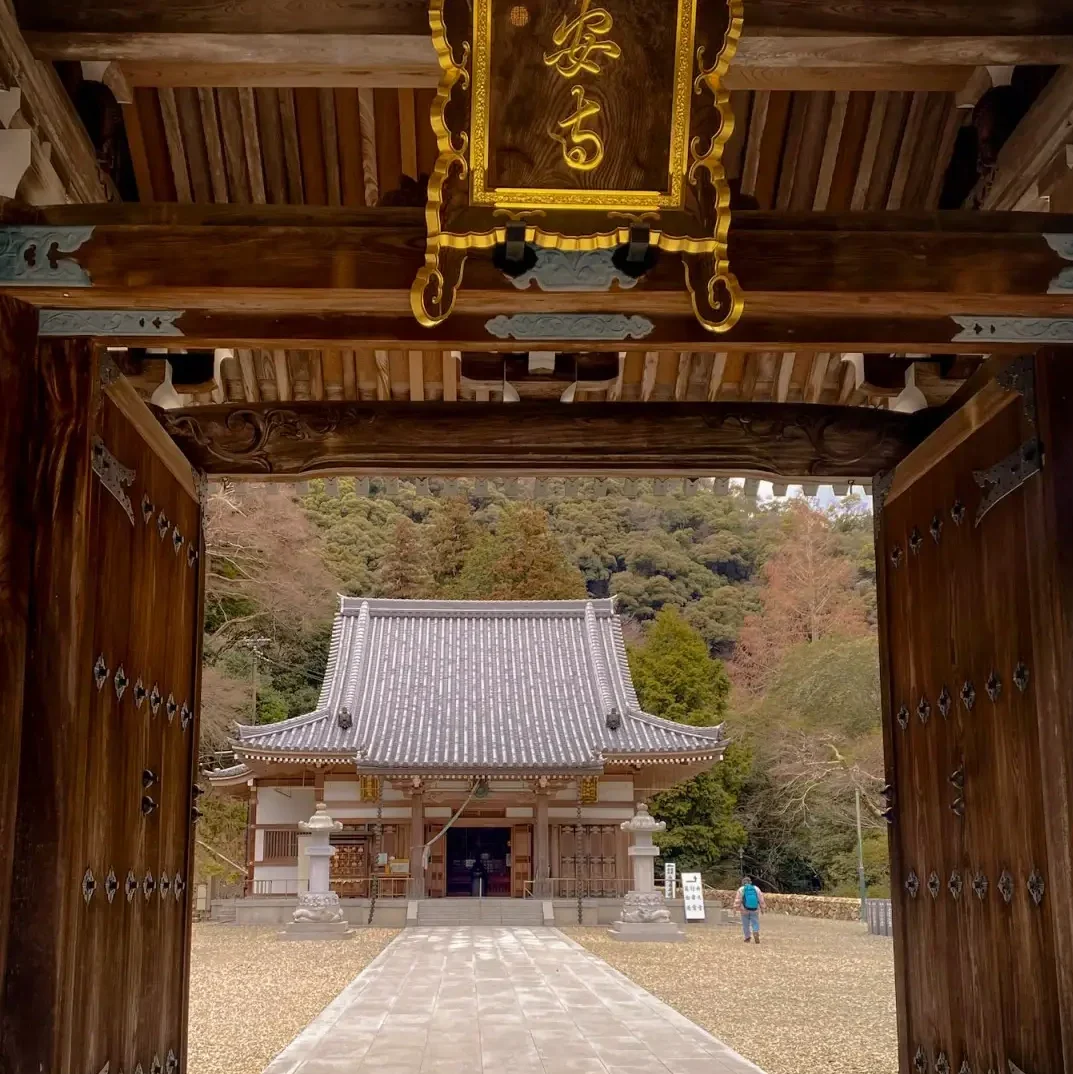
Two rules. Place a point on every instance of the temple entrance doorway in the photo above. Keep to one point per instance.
(478, 862)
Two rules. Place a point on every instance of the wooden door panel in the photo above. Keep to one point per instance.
(974, 947)
(521, 858)
(434, 877)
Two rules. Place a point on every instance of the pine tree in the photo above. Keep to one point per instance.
(675, 676)
(404, 570)
(521, 560)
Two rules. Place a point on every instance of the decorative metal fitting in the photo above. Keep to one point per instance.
(176, 539)
(139, 694)
(195, 814)
(903, 717)
(148, 884)
(1005, 886)
(178, 886)
(968, 695)
(993, 686)
(344, 719)
(942, 1064)
(923, 710)
(148, 778)
(944, 701)
(1036, 886)
(915, 541)
(888, 814)
(155, 699)
(186, 714)
(121, 683)
(936, 527)
(957, 806)
(912, 884)
(957, 777)
(100, 671)
(147, 508)
(934, 884)
(171, 1064)
(162, 525)
(957, 512)
(138, 1069)
(1020, 676)
(130, 885)
(156, 1067)
(89, 885)
(111, 885)
(920, 1062)
(191, 554)
(165, 886)
(896, 556)
(148, 805)
(196, 791)
(171, 707)
(955, 884)
(979, 886)
(965, 1068)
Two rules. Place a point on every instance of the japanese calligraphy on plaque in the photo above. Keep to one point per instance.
(579, 126)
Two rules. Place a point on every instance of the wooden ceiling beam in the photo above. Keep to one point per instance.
(766, 59)
(537, 438)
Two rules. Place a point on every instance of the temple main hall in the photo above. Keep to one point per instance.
(503, 736)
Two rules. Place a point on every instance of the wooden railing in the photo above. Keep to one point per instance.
(346, 887)
(566, 887)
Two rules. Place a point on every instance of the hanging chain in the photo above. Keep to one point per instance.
(578, 859)
(374, 879)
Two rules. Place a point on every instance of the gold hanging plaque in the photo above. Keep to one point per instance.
(580, 125)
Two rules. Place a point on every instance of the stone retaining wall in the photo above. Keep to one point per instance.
(826, 906)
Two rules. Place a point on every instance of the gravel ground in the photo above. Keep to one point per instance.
(250, 993)
(817, 997)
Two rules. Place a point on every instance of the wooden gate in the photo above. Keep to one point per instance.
(975, 571)
(98, 948)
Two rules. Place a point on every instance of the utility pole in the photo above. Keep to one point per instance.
(255, 651)
(862, 884)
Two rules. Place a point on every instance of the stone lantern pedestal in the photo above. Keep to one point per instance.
(319, 915)
(644, 913)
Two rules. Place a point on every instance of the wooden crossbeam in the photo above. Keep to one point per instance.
(765, 59)
(761, 439)
(251, 276)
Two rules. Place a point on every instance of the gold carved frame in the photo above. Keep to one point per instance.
(432, 297)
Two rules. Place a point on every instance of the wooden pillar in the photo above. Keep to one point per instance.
(541, 844)
(18, 345)
(251, 840)
(417, 842)
(42, 933)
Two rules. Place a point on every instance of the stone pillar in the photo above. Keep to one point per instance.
(644, 915)
(541, 845)
(417, 842)
(319, 914)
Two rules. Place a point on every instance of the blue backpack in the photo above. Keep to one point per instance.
(750, 897)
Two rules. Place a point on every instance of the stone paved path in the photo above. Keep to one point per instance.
(499, 1001)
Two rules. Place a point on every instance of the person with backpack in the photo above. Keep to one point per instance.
(749, 901)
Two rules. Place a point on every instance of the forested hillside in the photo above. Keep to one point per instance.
(759, 615)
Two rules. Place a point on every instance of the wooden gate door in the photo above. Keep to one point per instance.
(975, 568)
(521, 858)
(435, 877)
(98, 946)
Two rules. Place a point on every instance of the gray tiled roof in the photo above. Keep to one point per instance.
(478, 685)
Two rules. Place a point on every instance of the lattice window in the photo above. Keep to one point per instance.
(280, 843)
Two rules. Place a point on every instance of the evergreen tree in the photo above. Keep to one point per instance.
(520, 560)
(676, 677)
(452, 534)
(404, 568)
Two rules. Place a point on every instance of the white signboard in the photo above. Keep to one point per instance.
(670, 873)
(693, 895)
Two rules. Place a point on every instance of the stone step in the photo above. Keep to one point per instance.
(479, 912)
